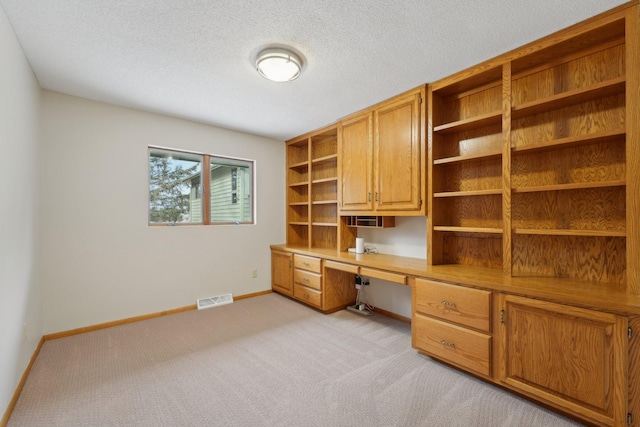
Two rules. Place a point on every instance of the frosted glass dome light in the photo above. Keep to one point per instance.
(278, 65)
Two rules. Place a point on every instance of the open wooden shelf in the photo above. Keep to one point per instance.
(320, 181)
(558, 232)
(324, 224)
(329, 158)
(492, 118)
(576, 96)
(484, 230)
(572, 141)
(299, 184)
(299, 204)
(571, 186)
(468, 157)
(324, 202)
(489, 192)
(301, 165)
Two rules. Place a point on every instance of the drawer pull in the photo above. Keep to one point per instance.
(304, 279)
(306, 264)
(448, 304)
(306, 295)
(448, 344)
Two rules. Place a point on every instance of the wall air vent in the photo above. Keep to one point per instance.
(214, 301)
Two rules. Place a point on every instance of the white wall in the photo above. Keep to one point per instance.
(407, 238)
(101, 261)
(20, 287)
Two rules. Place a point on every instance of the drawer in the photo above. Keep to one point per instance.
(349, 268)
(307, 278)
(464, 306)
(307, 263)
(308, 295)
(384, 275)
(460, 346)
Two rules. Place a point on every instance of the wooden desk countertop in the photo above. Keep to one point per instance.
(593, 295)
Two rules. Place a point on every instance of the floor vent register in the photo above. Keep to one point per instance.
(214, 301)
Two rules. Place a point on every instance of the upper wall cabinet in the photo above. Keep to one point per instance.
(356, 163)
(382, 156)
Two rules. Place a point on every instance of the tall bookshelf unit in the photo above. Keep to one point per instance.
(312, 191)
(534, 158)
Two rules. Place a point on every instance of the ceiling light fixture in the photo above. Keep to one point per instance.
(278, 65)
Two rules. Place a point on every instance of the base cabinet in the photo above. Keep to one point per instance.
(452, 323)
(282, 272)
(583, 362)
(572, 358)
(308, 280)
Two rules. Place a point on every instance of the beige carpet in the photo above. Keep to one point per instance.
(264, 361)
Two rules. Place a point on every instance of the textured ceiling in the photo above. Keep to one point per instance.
(194, 58)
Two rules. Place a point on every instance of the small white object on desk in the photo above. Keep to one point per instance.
(359, 245)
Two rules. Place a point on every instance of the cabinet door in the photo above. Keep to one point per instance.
(355, 164)
(282, 272)
(397, 155)
(570, 357)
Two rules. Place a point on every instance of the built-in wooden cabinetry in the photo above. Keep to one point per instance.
(573, 357)
(453, 323)
(534, 174)
(307, 279)
(282, 272)
(532, 276)
(368, 166)
(534, 159)
(382, 157)
(312, 189)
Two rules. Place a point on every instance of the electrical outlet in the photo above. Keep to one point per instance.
(254, 274)
(24, 332)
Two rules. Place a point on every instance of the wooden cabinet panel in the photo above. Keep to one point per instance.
(397, 155)
(460, 346)
(571, 357)
(355, 163)
(282, 272)
(339, 288)
(465, 306)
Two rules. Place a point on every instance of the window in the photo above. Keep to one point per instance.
(194, 188)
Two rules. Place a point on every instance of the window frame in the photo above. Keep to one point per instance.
(205, 188)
